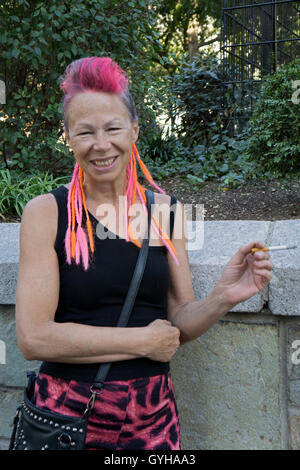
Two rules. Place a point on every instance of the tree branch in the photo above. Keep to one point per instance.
(211, 41)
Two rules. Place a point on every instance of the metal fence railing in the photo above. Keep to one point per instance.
(257, 37)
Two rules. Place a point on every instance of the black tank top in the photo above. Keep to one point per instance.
(96, 296)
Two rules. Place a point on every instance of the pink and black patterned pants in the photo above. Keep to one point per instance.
(136, 414)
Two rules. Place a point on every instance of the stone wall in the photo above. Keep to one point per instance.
(238, 385)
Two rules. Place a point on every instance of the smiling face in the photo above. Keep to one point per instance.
(100, 130)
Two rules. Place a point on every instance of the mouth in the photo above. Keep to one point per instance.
(104, 163)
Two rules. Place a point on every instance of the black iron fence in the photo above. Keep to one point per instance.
(257, 37)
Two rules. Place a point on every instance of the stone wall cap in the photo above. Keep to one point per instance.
(210, 246)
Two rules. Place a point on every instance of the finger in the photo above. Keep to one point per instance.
(263, 264)
(259, 244)
(257, 254)
(261, 255)
(239, 256)
(265, 273)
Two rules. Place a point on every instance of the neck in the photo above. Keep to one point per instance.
(104, 192)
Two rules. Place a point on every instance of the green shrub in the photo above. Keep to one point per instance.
(224, 161)
(38, 40)
(275, 123)
(17, 188)
(159, 148)
(197, 100)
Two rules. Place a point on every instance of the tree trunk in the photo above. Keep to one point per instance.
(193, 38)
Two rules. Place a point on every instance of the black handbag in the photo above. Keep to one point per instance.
(38, 429)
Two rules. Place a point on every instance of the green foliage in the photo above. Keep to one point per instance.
(156, 147)
(38, 40)
(197, 100)
(224, 161)
(275, 123)
(238, 101)
(17, 188)
(268, 146)
(175, 17)
(200, 147)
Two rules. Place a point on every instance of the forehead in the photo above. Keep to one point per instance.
(96, 107)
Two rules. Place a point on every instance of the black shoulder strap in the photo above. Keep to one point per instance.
(132, 292)
(172, 214)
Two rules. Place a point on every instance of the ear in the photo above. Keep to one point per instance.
(67, 136)
(136, 130)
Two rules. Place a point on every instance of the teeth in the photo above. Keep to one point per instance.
(106, 163)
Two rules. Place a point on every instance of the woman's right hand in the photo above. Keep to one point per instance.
(162, 340)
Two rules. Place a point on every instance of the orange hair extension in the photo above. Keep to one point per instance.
(164, 237)
(88, 222)
(135, 182)
(133, 188)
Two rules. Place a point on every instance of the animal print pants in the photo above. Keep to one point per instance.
(136, 414)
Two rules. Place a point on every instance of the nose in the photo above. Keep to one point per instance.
(102, 142)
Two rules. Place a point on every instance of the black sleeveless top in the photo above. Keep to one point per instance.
(96, 296)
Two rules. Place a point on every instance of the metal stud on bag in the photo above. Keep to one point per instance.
(65, 440)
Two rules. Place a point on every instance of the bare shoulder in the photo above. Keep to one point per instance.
(160, 198)
(163, 208)
(165, 199)
(40, 215)
(163, 203)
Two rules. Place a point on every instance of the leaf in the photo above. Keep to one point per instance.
(224, 168)
(38, 51)
(15, 53)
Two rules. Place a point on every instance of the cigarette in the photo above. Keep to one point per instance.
(274, 248)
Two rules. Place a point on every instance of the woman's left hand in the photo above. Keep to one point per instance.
(246, 274)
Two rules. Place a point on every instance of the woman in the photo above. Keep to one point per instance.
(72, 283)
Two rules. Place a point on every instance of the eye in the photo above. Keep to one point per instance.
(114, 129)
(84, 133)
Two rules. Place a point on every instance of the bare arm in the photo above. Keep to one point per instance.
(242, 278)
(193, 318)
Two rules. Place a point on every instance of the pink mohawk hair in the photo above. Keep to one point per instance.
(95, 74)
